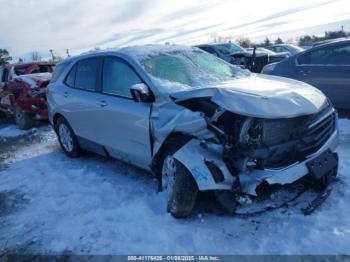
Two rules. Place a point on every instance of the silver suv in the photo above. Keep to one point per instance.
(193, 120)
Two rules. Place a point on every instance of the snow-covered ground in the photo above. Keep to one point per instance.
(91, 205)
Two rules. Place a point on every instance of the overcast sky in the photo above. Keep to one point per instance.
(27, 25)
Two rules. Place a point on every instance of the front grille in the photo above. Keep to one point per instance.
(289, 140)
(318, 131)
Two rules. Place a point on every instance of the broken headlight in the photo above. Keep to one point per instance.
(251, 133)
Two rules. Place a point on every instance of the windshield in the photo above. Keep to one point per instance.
(189, 68)
(229, 49)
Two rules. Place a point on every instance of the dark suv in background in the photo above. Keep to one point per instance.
(237, 55)
(326, 67)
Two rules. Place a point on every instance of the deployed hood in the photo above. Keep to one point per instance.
(261, 96)
(34, 80)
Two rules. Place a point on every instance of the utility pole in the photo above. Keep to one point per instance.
(53, 57)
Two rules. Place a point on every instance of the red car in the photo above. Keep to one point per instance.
(23, 91)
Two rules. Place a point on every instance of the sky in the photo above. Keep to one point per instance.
(41, 25)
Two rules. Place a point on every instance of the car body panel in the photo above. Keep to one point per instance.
(262, 96)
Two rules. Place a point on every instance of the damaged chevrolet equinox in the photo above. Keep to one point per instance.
(194, 121)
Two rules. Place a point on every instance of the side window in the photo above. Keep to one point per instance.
(278, 49)
(332, 55)
(58, 71)
(86, 74)
(70, 79)
(118, 77)
(304, 59)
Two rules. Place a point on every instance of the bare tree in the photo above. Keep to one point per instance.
(4, 56)
(278, 41)
(36, 56)
(244, 41)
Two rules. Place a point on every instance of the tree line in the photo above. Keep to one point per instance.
(305, 40)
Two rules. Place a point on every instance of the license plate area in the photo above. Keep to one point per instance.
(322, 164)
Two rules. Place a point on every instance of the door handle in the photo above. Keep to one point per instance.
(102, 103)
(65, 94)
(305, 72)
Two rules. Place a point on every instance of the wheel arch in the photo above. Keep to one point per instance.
(175, 138)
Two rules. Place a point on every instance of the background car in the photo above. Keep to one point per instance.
(237, 55)
(273, 56)
(22, 91)
(329, 41)
(326, 67)
(282, 48)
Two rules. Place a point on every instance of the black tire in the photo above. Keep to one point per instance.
(184, 192)
(23, 120)
(74, 150)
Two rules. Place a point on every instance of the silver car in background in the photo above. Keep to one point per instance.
(195, 121)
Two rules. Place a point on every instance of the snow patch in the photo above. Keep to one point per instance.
(12, 131)
(92, 205)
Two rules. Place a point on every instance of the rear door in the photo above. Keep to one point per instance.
(123, 123)
(80, 104)
(328, 69)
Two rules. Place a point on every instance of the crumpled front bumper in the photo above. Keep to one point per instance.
(285, 175)
(194, 155)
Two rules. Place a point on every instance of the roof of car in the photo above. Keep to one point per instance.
(136, 52)
(329, 41)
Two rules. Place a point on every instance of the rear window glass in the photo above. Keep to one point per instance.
(58, 71)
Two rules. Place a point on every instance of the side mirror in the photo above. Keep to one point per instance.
(140, 93)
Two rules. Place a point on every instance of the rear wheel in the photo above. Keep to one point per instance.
(179, 184)
(67, 138)
(23, 119)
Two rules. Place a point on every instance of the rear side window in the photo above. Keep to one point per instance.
(332, 55)
(70, 80)
(58, 71)
(118, 77)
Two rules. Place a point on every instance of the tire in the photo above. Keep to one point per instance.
(181, 187)
(23, 120)
(67, 138)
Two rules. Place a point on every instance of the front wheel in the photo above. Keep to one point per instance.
(67, 138)
(180, 186)
(22, 119)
